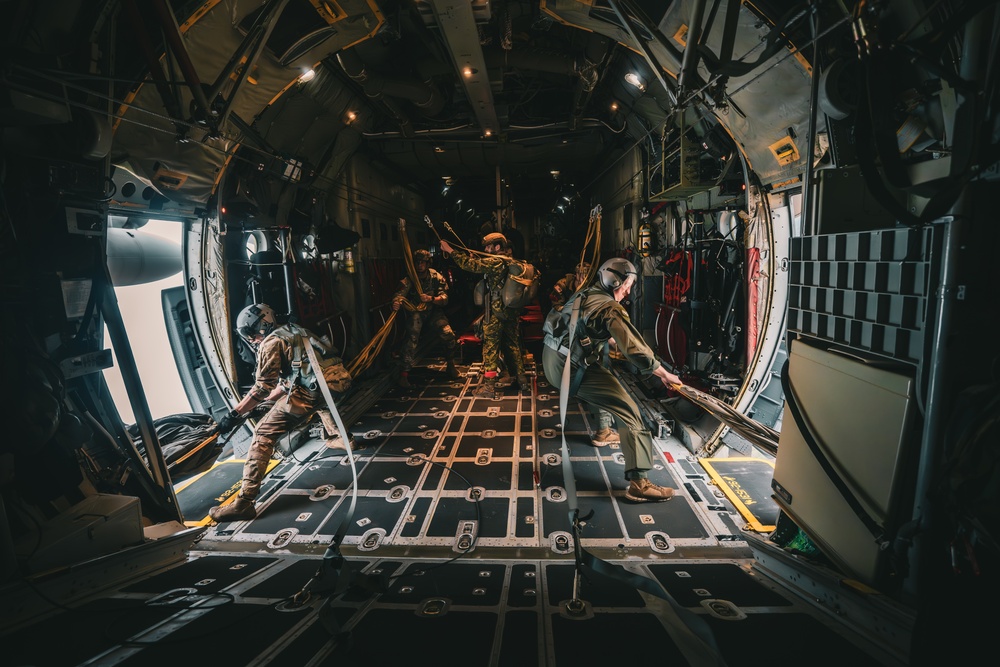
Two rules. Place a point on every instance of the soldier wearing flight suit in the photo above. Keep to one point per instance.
(284, 374)
(501, 325)
(423, 309)
(561, 291)
(604, 318)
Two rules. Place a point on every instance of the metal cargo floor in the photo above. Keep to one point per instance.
(461, 553)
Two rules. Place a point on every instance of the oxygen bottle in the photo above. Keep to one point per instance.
(645, 239)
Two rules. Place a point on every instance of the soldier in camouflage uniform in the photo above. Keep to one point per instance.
(424, 309)
(568, 284)
(284, 375)
(501, 325)
(561, 291)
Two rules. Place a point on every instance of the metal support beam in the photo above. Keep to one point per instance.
(689, 66)
(458, 27)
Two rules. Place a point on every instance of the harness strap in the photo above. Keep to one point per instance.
(296, 375)
(574, 385)
(330, 569)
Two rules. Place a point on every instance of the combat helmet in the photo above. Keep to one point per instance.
(614, 272)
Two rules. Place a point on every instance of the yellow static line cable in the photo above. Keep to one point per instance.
(372, 350)
(593, 234)
(411, 269)
(461, 246)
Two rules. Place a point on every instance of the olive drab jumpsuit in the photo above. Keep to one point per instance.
(432, 317)
(562, 290)
(604, 318)
(501, 325)
(300, 401)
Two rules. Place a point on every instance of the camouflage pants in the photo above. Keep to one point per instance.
(435, 321)
(502, 335)
(279, 421)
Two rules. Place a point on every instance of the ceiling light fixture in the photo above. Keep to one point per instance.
(634, 79)
(488, 132)
(307, 76)
(614, 106)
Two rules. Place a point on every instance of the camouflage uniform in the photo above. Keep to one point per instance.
(501, 325)
(274, 366)
(433, 284)
(562, 290)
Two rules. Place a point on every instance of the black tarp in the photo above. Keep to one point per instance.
(189, 442)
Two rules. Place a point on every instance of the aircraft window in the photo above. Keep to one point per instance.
(366, 228)
(795, 203)
(142, 313)
(256, 242)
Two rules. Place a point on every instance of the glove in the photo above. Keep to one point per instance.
(230, 422)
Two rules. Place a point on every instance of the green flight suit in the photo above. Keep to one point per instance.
(604, 318)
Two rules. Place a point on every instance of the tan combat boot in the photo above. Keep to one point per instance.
(643, 491)
(240, 509)
(604, 437)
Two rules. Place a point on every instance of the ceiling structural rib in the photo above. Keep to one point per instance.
(458, 28)
(249, 51)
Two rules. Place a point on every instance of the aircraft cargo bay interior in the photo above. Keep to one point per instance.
(498, 332)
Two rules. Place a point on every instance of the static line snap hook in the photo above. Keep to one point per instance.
(576, 608)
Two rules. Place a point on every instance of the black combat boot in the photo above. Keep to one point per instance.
(524, 382)
(487, 388)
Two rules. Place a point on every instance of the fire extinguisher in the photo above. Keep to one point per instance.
(645, 239)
